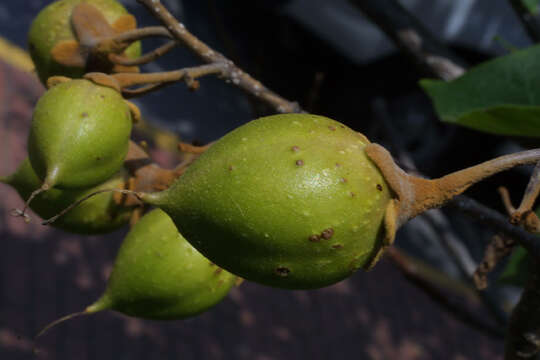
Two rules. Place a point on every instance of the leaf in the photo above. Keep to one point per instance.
(531, 5)
(516, 271)
(500, 96)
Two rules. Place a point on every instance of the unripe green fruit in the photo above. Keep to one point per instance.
(53, 25)
(157, 274)
(79, 134)
(290, 201)
(99, 214)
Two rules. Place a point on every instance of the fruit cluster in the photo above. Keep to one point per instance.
(79, 149)
(292, 201)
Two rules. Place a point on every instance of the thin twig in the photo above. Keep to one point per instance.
(146, 58)
(231, 72)
(524, 214)
(499, 247)
(143, 90)
(498, 222)
(127, 80)
(412, 37)
(154, 81)
(530, 22)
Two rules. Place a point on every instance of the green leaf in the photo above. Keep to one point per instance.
(501, 96)
(532, 5)
(516, 271)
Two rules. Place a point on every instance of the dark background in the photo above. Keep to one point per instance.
(326, 56)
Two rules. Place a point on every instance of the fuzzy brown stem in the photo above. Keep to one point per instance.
(430, 194)
(524, 214)
(127, 80)
(143, 90)
(146, 58)
(507, 202)
(532, 190)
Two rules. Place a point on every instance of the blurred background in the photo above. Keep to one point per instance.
(331, 59)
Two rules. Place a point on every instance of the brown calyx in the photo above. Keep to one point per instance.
(95, 41)
(145, 175)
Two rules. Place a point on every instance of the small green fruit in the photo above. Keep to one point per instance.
(159, 275)
(52, 31)
(99, 214)
(79, 135)
(290, 201)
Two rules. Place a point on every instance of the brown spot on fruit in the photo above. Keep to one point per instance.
(218, 271)
(379, 187)
(315, 238)
(343, 180)
(352, 194)
(333, 128)
(327, 233)
(84, 115)
(282, 271)
(338, 165)
(231, 168)
(295, 148)
(299, 162)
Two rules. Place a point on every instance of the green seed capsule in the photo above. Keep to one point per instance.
(290, 201)
(99, 214)
(52, 31)
(79, 135)
(157, 274)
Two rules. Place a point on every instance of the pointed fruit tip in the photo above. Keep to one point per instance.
(153, 198)
(59, 321)
(103, 303)
(52, 324)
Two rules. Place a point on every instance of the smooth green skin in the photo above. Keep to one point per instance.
(53, 25)
(79, 135)
(248, 205)
(159, 275)
(97, 215)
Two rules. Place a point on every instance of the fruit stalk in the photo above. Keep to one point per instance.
(416, 195)
(146, 58)
(126, 80)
